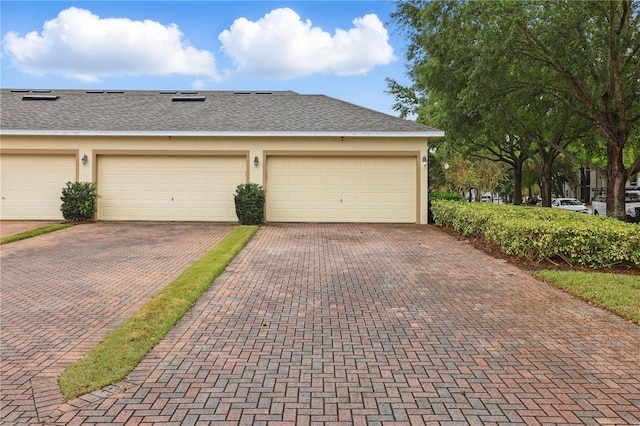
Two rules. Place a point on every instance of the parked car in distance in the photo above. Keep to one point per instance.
(569, 204)
(631, 206)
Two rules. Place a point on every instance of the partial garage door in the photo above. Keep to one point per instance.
(180, 188)
(341, 189)
(32, 185)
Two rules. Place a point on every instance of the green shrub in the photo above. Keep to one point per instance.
(249, 200)
(542, 233)
(434, 196)
(79, 201)
(451, 196)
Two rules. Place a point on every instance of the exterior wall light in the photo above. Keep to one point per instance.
(424, 160)
(256, 161)
(84, 159)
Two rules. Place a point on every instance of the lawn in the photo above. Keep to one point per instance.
(618, 293)
(34, 233)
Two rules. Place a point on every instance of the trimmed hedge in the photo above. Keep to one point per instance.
(451, 196)
(434, 196)
(543, 233)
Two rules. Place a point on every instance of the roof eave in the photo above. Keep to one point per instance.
(395, 134)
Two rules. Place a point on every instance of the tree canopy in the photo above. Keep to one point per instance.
(511, 80)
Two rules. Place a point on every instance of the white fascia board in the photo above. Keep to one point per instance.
(425, 134)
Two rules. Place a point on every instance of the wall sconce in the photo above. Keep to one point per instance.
(84, 159)
(424, 160)
(256, 161)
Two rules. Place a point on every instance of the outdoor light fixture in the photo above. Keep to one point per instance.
(424, 160)
(84, 159)
(256, 160)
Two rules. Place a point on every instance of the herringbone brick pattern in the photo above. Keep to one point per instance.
(63, 292)
(378, 325)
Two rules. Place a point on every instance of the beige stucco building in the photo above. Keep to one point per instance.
(178, 156)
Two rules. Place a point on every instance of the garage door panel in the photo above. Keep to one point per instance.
(369, 197)
(294, 196)
(32, 185)
(341, 189)
(184, 188)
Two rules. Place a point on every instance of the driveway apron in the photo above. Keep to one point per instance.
(378, 324)
(63, 292)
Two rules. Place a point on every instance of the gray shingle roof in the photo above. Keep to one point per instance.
(202, 112)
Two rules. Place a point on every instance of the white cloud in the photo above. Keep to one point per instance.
(81, 45)
(281, 45)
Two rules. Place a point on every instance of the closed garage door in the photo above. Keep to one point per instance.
(181, 188)
(341, 189)
(32, 185)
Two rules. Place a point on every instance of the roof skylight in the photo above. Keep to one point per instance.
(40, 97)
(188, 98)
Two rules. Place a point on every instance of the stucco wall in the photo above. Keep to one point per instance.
(262, 147)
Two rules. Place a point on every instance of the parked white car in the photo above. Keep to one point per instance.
(631, 206)
(569, 204)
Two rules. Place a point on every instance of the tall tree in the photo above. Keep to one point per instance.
(593, 50)
(561, 130)
(450, 89)
(477, 64)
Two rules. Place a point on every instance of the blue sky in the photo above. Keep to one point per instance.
(343, 49)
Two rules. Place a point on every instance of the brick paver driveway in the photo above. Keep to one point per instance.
(377, 324)
(63, 292)
(12, 227)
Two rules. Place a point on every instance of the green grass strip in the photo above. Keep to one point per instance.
(617, 293)
(33, 233)
(119, 353)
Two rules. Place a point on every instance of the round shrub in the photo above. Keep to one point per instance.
(249, 200)
(79, 201)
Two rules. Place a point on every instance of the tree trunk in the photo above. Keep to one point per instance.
(547, 158)
(517, 182)
(545, 189)
(616, 181)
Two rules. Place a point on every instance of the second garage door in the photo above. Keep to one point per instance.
(176, 188)
(341, 189)
(32, 185)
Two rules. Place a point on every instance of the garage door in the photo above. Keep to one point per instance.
(180, 188)
(32, 185)
(341, 189)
